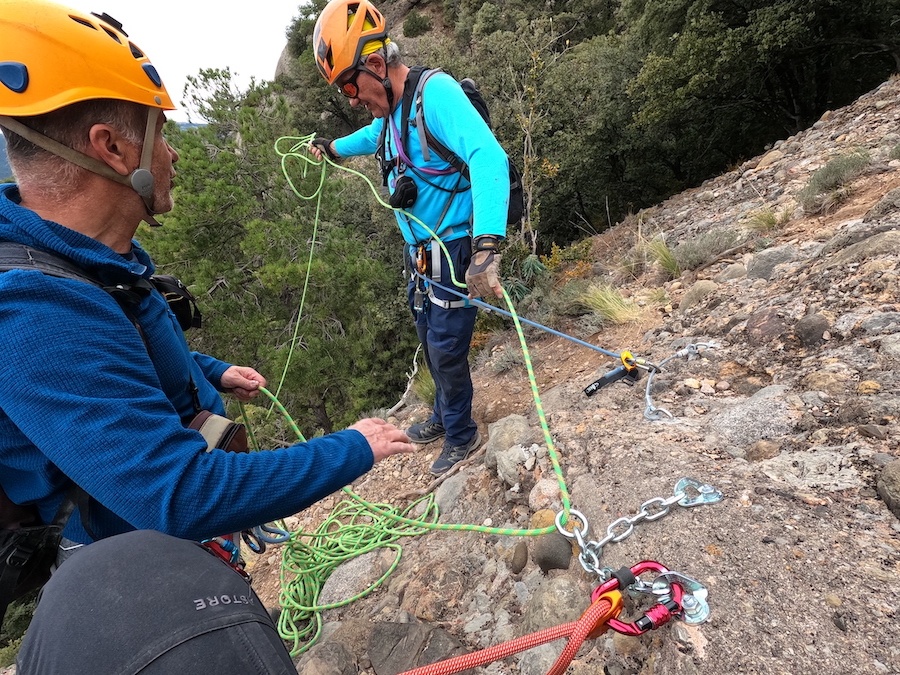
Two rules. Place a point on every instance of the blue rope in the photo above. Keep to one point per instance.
(491, 308)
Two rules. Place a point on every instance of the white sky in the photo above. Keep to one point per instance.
(183, 36)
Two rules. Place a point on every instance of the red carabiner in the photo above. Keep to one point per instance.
(654, 617)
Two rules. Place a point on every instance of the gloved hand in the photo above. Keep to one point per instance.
(483, 275)
(323, 145)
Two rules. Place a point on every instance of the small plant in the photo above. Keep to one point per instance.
(610, 304)
(657, 297)
(705, 247)
(507, 359)
(559, 257)
(423, 386)
(895, 152)
(827, 186)
(416, 24)
(665, 257)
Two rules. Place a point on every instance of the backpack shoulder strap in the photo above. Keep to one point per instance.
(409, 87)
(427, 139)
(415, 97)
(14, 256)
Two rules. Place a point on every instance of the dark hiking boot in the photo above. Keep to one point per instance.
(425, 432)
(451, 454)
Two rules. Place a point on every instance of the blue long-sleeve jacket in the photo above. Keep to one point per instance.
(451, 119)
(83, 398)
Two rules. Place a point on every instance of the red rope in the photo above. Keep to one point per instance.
(592, 620)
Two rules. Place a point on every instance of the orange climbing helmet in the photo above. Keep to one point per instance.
(52, 56)
(345, 31)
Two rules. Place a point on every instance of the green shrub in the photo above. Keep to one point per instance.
(827, 186)
(416, 24)
(895, 152)
(507, 359)
(705, 247)
(423, 385)
(665, 257)
(610, 304)
(18, 616)
(768, 220)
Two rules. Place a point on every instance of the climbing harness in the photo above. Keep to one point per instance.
(688, 492)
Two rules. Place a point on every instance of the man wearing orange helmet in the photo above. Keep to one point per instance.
(95, 393)
(467, 213)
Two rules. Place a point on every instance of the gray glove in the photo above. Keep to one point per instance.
(483, 275)
(324, 144)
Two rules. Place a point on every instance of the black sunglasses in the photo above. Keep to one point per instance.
(350, 89)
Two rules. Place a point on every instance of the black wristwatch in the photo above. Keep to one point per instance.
(486, 242)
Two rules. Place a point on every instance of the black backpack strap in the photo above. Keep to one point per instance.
(412, 93)
(409, 89)
(15, 256)
(29, 553)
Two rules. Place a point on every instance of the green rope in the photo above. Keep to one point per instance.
(353, 528)
(317, 195)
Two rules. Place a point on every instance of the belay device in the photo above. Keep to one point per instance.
(629, 372)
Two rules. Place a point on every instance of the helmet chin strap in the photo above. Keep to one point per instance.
(389, 90)
(140, 180)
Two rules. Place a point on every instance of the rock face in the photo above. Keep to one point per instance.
(783, 396)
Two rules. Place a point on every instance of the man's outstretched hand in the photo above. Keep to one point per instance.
(384, 438)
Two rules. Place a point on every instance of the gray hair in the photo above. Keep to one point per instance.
(390, 53)
(36, 168)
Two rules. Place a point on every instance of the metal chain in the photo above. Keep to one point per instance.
(688, 492)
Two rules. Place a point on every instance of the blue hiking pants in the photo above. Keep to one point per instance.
(445, 335)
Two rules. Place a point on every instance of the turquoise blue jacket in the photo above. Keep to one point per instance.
(83, 399)
(451, 119)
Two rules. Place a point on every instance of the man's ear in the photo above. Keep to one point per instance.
(377, 64)
(109, 146)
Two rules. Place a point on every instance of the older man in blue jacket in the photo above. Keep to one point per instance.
(85, 399)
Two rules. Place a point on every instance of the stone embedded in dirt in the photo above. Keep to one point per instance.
(763, 450)
(811, 329)
(889, 486)
(552, 551)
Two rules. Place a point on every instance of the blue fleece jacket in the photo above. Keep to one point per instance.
(84, 399)
(455, 123)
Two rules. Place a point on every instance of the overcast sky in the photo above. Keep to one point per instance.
(183, 36)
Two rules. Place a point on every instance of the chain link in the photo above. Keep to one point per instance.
(687, 491)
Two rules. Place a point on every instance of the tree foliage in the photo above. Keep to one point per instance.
(244, 242)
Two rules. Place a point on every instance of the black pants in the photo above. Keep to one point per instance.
(147, 603)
